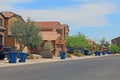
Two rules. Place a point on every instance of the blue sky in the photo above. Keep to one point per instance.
(95, 18)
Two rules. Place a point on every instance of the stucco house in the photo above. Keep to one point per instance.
(55, 32)
(6, 18)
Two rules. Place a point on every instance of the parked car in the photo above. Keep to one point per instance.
(2, 55)
(4, 51)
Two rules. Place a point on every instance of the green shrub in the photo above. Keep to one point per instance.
(114, 48)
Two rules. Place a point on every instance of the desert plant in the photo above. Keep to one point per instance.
(68, 55)
(48, 47)
(30, 56)
(46, 54)
(77, 53)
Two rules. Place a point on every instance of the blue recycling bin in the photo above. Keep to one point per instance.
(97, 53)
(109, 52)
(13, 57)
(62, 54)
(103, 53)
(22, 56)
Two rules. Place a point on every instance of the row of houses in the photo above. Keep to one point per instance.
(50, 31)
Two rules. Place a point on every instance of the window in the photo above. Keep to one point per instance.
(16, 23)
(115, 42)
(0, 22)
(1, 39)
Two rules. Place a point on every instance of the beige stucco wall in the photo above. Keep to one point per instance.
(1, 33)
(1, 17)
(10, 21)
(9, 41)
(18, 47)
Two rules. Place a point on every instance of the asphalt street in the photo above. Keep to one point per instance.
(103, 68)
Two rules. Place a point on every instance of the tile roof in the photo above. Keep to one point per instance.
(66, 27)
(49, 35)
(47, 25)
(63, 26)
(116, 38)
(7, 14)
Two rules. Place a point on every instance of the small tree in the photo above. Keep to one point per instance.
(104, 43)
(31, 37)
(114, 48)
(77, 41)
(48, 46)
(26, 33)
(74, 43)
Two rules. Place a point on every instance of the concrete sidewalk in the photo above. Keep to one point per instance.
(5, 63)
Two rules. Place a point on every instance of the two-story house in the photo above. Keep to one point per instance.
(6, 19)
(63, 29)
(55, 32)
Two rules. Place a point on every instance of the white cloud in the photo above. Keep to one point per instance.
(90, 14)
(15, 1)
(8, 4)
(81, 15)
